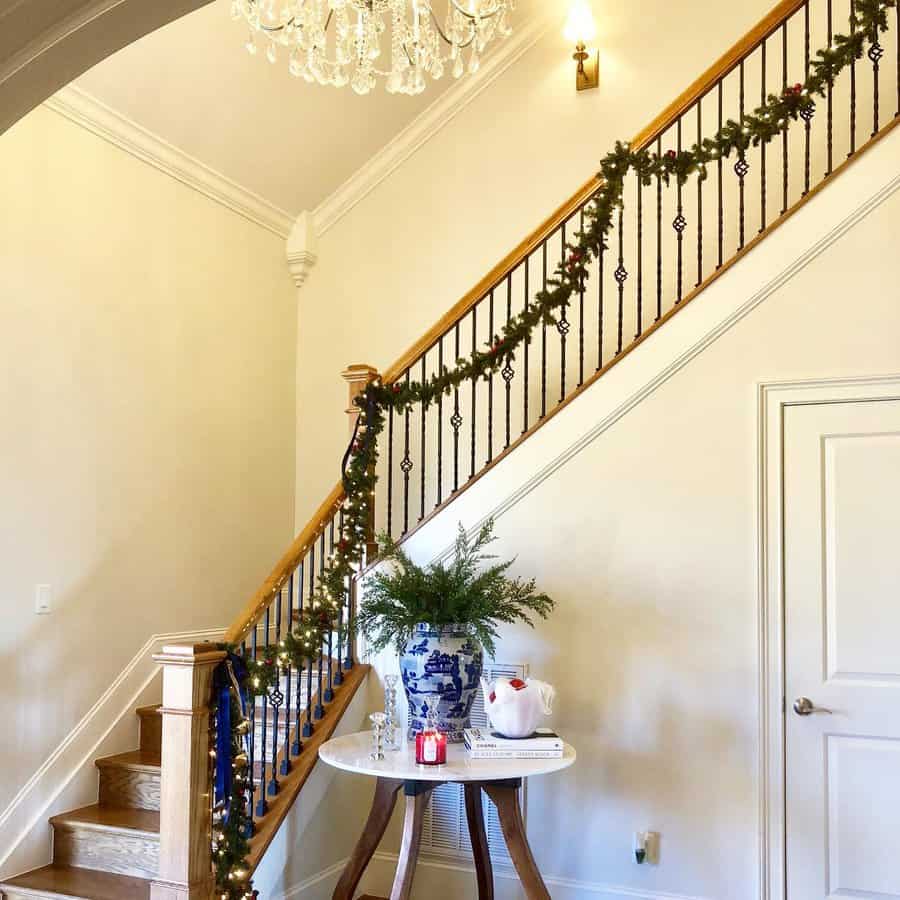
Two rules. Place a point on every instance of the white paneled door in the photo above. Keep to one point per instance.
(842, 650)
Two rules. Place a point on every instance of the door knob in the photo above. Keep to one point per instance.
(803, 706)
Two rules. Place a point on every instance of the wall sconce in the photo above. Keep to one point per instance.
(580, 30)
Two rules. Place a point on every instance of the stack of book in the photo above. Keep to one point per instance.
(482, 743)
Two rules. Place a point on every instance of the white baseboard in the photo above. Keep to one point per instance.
(68, 777)
(446, 879)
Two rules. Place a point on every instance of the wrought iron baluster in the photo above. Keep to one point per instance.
(852, 84)
(876, 51)
(276, 699)
(490, 380)
(456, 419)
(329, 686)
(720, 173)
(297, 746)
(440, 429)
(525, 354)
(349, 660)
(422, 412)
(830, 97)
(621, 275)
(741, 167)
(639, 325)
(474, 392)
(699, 198)
(406, 464)
(806, 118)
(251, 756)
(581, 311)
(319, 712)
(390, 471)
(286, 751)
(659, 215)
(562, 326)
(762, 146)
(600, 288)
(262, 804)
(339, 674)
(507, 372)
(679, 224)
(544, 338)
(784, 132)
(311, 569)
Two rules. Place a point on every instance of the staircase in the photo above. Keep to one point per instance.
(668, 244)
(108, 851)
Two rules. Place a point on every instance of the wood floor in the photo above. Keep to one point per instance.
(108, 851)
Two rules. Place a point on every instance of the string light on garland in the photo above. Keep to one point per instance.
(321, 615)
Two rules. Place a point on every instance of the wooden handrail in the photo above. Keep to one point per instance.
(260, 601)
(320, 519)
(644, 138)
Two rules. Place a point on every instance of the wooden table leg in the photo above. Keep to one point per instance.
(417, 794)
(478, 838)
(386, 790)
(506, 799)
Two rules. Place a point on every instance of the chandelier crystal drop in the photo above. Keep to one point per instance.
(356, 42)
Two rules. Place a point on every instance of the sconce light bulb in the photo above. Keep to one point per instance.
(580, 26)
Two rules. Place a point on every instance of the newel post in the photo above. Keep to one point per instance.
(357, 377)
(185, 824)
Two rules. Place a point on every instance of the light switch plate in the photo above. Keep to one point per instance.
(43, 599)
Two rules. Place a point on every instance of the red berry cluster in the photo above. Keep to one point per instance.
(795, 90)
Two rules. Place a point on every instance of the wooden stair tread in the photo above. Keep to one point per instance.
(110, 818)
(71, 883)
(155, 710)
(135, 760)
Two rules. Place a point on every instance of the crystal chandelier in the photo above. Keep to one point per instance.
(343, 42)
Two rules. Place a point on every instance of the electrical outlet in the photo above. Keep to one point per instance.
(646, 847)
(43, 599)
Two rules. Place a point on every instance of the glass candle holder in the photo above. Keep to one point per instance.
(391, 724)
(431, 748)
(377, 720)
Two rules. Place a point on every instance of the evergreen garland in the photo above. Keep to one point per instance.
(321, 615)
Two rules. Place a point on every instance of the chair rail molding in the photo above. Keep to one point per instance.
(90, 113)
(773, 399)
(24, 838)
(302, 248)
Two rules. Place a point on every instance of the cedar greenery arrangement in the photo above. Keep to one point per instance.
(464, 592)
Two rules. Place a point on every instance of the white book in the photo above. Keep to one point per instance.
(484, 739)
(514, 754)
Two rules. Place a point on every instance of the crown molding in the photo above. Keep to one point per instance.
(81, 108)
(429, 122)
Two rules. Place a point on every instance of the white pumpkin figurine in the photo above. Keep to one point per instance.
(514, 707)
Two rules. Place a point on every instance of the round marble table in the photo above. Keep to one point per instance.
(500, 779)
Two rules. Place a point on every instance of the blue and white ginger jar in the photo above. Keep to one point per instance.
(441, 669)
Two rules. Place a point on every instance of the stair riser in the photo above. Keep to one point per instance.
(108, 851)
(151, 733)
(130, 789)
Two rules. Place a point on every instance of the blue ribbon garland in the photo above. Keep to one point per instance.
(230, 678)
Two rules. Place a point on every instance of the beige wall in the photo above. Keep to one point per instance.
(647, 539)
(147, 358)
(428, 233)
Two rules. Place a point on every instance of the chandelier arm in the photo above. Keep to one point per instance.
(467, 14)
(440, 31)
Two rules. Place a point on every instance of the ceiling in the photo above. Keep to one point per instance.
(193, 84)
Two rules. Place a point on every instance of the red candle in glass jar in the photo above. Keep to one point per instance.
(431, 748)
